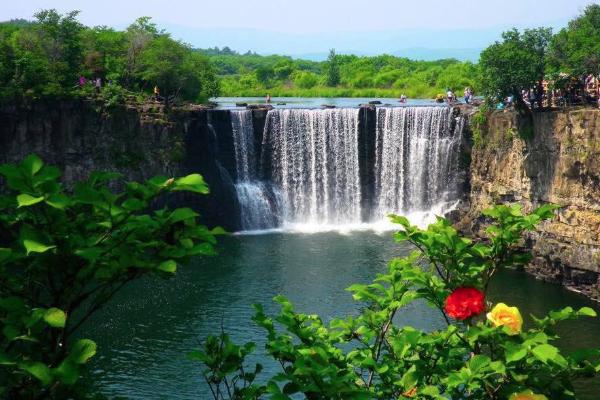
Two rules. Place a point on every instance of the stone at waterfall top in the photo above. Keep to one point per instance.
(318, 102)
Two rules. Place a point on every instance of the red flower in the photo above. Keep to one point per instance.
(464, 303)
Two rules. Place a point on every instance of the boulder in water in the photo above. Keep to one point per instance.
(375, 102)
(327, 106)
(259, 107)
(241, 104)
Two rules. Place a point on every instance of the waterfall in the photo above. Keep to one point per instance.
(243, 144)
(258, 203)
(311, 156)
(416, 159)
(309, 175)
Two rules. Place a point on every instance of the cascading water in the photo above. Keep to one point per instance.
(309, 175)
(416, 159)
(312, 157)
(258, 203)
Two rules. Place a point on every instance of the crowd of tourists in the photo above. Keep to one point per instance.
(562, 91)
(95, 82)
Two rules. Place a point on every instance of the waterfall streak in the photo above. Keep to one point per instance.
(416, 159)
(314, 161)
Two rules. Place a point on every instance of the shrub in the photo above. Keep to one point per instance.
(477, 355)
(64, 254)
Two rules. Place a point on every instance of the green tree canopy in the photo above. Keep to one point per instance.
(45, 58)
(333, 69)
(515, 63)
(576, 49)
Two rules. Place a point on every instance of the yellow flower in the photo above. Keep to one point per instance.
(527, 395)
(510, 317)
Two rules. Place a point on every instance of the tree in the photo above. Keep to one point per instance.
(139, 34)
(576, 49)
(64, 254)
(516, 63)
(161, 63)
(200, 66)
(305, 80)
(61, 42)
(477, 355)
(332, 69)
(105, 53)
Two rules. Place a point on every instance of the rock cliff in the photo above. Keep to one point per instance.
(140, 142)
(555, 158)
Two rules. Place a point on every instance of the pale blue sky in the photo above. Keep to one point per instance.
(313, 26)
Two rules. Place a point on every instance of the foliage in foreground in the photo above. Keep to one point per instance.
(63, 255)
(368, 356)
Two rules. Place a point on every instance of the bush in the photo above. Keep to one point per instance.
(477, 356)
(64, 254)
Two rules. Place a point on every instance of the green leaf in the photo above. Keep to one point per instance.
(133, 204)
(515, 352)
(587, 312)
(82, 351)
(182, 214)
(55, 317)
(169, 266)
(545, 352)
(32, 164)
(25, 200)
(59, 201)
(35, 247)
(191, 183)
(478, 362)
(67, 372)
(38, 370)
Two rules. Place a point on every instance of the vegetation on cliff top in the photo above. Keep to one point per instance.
(523, 60)
(46, 58)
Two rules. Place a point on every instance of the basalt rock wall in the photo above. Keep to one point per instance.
(553, 158)
(143, 141)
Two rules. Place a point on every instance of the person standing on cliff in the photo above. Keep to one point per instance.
(98, 84)
(467, 94)
(268, 98)
(156, 93)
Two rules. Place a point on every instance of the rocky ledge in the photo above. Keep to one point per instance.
(552, 158)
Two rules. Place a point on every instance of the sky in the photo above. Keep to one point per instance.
(310, 27)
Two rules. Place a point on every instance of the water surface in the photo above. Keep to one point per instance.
(144, 334)
(317, 102)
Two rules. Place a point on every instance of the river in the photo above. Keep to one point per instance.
(145, 332)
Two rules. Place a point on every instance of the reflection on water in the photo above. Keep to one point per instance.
(144, 334)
